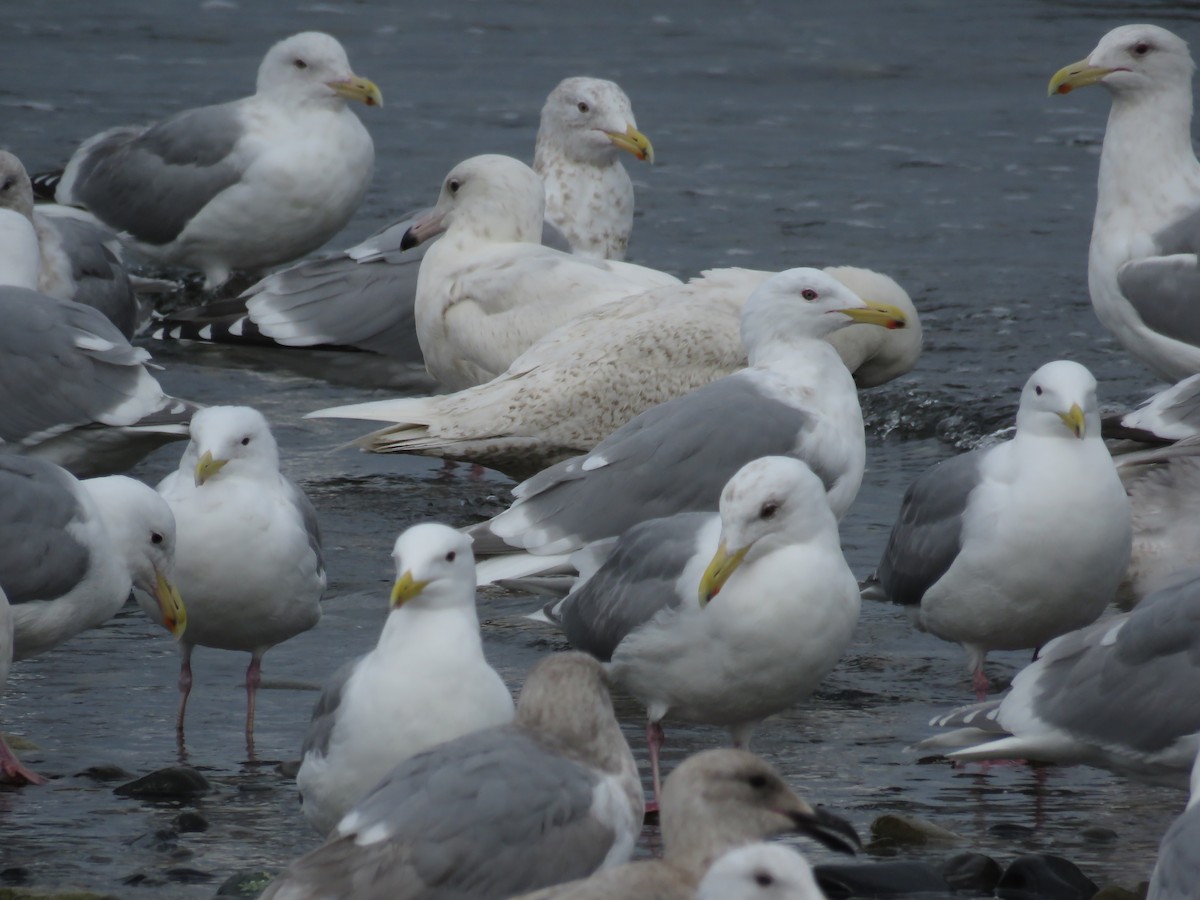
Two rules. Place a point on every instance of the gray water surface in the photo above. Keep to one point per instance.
(911, 137)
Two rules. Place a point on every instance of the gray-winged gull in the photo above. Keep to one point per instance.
(1117, 694)
(488, 289)
(796, 399)
(587, 378)
(70, 552)
(12, 770)
(1007, 547)
(760, 872)
(722, 619)
(425, 682)
(1143, 271)
(551, 797)
(1177, 872)
(715, 801)
(242, 185)
(248, 555)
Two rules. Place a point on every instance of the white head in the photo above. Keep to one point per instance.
(20, 255)
(1131, 60)
(1059, 400)
(229, 441)
(760, 872)
(16, 192)
(800, 304)
(435, 568)
(588, 120)
(313, 66)
(495, 198)
(141, 527)
(771, 502)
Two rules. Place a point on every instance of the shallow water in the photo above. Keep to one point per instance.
(915, 138)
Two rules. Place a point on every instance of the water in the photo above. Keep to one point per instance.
(915, 138)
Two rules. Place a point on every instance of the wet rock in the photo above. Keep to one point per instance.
(161, 840)
(29, 894)
(1011, 830)
(184, 875)
(15, 875)
(289, 768)
(895, 829)
(1116, 892)
(973, 872)
(190, 823)
(105, 772)
(884, 879)
(174, 783)
(1040, 876)
(18, 744)
(245, 884)
(1098, 835)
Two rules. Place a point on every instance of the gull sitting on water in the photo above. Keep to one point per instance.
(1143, 267)
(551, 797)
(242, 185)
(426, 682)
(1007, 547)
(249, 548)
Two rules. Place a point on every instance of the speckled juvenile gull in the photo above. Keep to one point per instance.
(1143, 269)
(243, 185)
(12, 771)
(363, 297)
(796, 399)
(71, 551)
(759, 872)
(714, 802)
(249, 556)
(1177, 872)
(551, 797)
(488, 289)
(1116, 694)
(426, 682)
(1006, 547)
(587, 378)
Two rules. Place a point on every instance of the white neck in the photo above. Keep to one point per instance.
(426, 630)
(20, 261)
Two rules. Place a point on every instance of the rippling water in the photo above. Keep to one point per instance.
(911, 137)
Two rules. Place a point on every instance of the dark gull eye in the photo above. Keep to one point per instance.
(453, 185)
(299, 64)
(8, 182)
(245, 440)
(155, 537)
(583, 107)
(1141, 48)
(763, 879)
(450, 557)
(758, 781)
(1037, 389)
(769, 509)
(808, 294)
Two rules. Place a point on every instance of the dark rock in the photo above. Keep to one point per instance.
(884, 879)
(973, 872)
(1116, 892)
(895, 829)
(1011, 830)
(245, 884)
(161, 840)
(1040, 876)
(174, 783)
(105, 772)
(190, 822)
(184, 875)
(1097, 834)
(15, 875)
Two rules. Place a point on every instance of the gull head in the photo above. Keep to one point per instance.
(589, 120)
(1059, 400)
(435, 568)
(313, 65)
(16, 191)
(229, 440)
(760, 872)
(1130, 60)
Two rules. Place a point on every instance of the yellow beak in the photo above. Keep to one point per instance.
(722, 566)
(1076, 75)
(405, 588)
(882, 314)
(207, 467)
(1073, 419)
(363, 90)
(170, 604)
(634, 142)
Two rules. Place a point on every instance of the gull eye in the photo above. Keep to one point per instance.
(758, 781)
(808, 294)
(583, 107)
(453, 185)
(763, 879)
(1037, 389)
(8, 183)
(769, 509)
(451, 556)
(155, 537)
(1141, 48)
(245, 440)
(299, 64)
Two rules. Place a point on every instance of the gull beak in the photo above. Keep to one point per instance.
(882, 314)
(823, 826)
(1076, 75)
(1073, 419)
(207, 467)
(170, 605)
(405, 588)
(364, 90)
(722, 566)
(633, 141)
(429, 225)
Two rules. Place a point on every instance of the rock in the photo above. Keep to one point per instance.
(245, 884)
(1097, 834)
(895, 829)
(190, 823)
(1040, 876)
(105, 772)
(176, 782)
(883, 879)
(15, 875)
(184, 875)
(1011, 830)
(1116, 892)
(974, 872)
(18, 744)
(29, 894)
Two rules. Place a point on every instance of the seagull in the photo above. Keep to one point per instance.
(760, 872)
(551, 797)
(1007, 547)
(1143, 269)
(714, 802)
(249, 548)
(426, 682)
(247, 184)
(796, 399)
(363, 297)
(1177, 871)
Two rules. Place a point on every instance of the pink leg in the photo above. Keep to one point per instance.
(185, 685)
(11, 770)
(980, 683)
(655, 738)
(253, 680)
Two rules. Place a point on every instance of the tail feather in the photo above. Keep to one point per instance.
(45, 185)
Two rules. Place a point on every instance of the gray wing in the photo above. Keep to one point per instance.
(39, 559)
(674, 457)
(1170, 415)
(491, 814)
(1133, 690)
(101, 281)
(634, 584)
(928, 532)
(320, 727)
(1177, 872)
(1165, 289)
(150, 182)
(308, 514)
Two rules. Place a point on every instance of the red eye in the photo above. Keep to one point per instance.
(808, 294)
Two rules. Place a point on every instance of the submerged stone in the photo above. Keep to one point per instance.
(895, 829)
(975, 872)
(174, 782)
(1040, 876)
(883, 879)
(245, 884)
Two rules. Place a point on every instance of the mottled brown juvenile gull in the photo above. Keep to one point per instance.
(426, 682)
(760, 872)
(249, 550)
(12, 771)
(715, 801)
(1143, 269)
(722, 619)
(488, 289)
(587, 378)
(1177, 872)
(1007, 547)
(243, 185)
(1118, 694)
(553, 796)
(795, 399)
